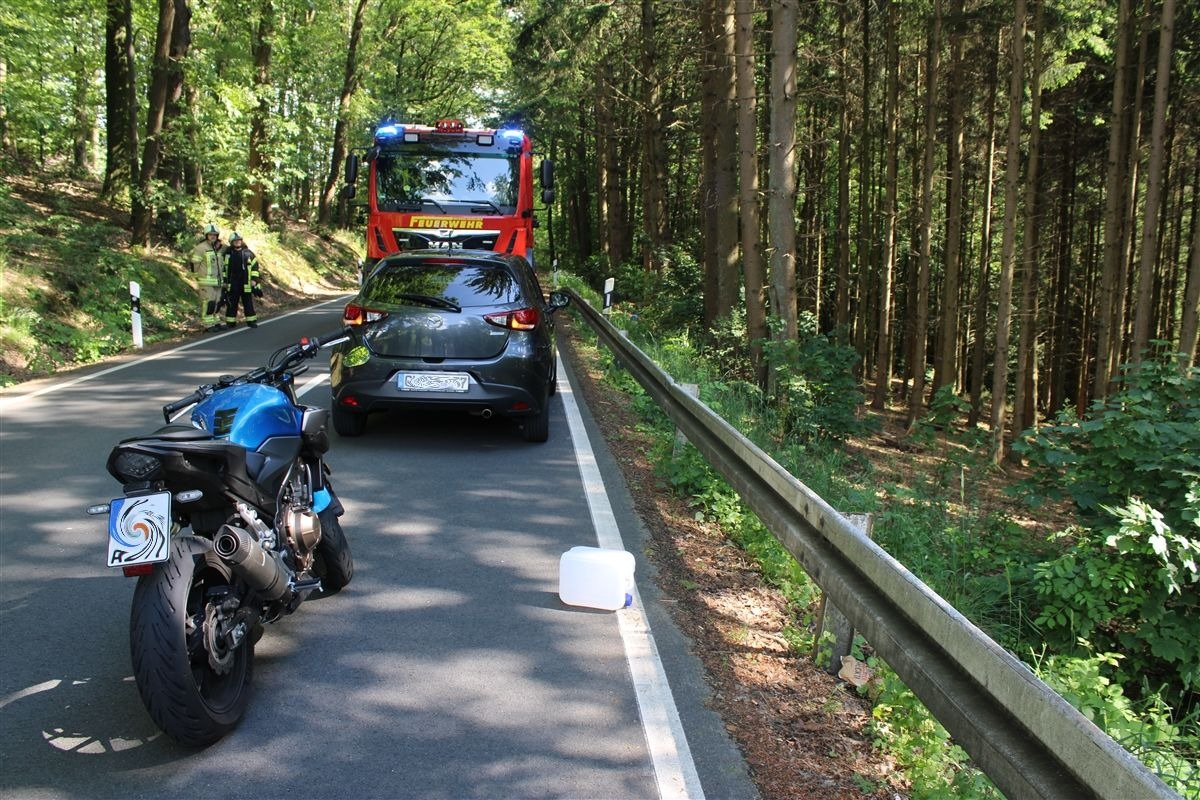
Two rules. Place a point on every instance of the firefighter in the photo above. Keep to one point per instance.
(241, 280)
(206, 262)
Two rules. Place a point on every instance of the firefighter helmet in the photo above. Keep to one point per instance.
(210, 228)
(235, 237)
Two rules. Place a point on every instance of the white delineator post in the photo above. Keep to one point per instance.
(135, 307)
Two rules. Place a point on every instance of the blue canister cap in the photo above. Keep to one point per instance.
(628, 599)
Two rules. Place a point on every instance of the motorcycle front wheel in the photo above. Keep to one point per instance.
(334, 564)
(194, 688)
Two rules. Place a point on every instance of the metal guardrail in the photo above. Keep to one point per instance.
(1025, 737)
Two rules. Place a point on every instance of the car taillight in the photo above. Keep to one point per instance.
(357, 315)
(523, 319)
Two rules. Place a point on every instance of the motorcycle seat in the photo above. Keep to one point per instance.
(181, 433)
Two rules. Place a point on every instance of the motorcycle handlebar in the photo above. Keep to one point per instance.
(305, 348)
(170, 408)
(332, 338)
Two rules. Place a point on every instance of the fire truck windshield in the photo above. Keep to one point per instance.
(409, 179)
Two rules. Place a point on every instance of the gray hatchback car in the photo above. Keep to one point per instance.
(435, 329)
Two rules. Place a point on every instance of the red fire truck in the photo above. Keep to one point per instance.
(449, 187)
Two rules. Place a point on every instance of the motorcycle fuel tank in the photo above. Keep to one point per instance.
(248, 414)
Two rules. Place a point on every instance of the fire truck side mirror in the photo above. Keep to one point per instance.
(351, 169)
(547, 178)
(349, 192)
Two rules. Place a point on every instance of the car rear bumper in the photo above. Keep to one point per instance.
(367, 393)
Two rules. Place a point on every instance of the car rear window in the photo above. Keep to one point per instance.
(464, 284)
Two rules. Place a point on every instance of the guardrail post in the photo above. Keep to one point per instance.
(693, 390)
(835, 634)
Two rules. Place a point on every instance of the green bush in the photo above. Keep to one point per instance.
(815, 384)
(1142, 441)
(1167, 747)
(1127, 578)
(1132, 587)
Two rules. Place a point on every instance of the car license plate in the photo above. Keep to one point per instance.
(433, 381)
(139, 529)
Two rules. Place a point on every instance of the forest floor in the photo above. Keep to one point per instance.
(803, 732)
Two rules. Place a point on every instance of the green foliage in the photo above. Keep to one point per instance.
(1142, 441)
(1132, 588)
(1126, 580)
(669, 298)
(1171, 749)
(815, 384)
(935, 766)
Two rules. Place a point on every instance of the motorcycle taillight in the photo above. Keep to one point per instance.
(131, 467)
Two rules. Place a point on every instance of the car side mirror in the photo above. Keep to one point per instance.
(558, 300)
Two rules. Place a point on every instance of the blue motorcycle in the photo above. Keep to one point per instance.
(248, 477)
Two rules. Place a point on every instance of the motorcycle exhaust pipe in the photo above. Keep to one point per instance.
(265, 574)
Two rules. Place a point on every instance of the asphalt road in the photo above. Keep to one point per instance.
(448, 668)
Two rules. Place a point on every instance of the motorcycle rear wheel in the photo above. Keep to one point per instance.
(187, 697)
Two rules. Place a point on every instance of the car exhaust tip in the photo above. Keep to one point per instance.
(486, 413)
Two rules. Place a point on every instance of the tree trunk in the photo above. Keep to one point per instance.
(842, 297)
(5, 140)
(174, 154)
(781, 195)
(1012, 175)
(748, 189)
(725, 188)
(1189, 323)
(1114, 206)
(1063, 330)
(193, 164)
(1028, 315)
(985, 245)
(1154, 178)
(257, 162)
(883, 352)
(142, 215)
(916, 398)
(120, 93)
(345, 98)
(864, 255)
(654, 146)
(81, 134)
(945, 369)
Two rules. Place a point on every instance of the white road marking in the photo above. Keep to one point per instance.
(313, 383)
(6, 401)
(41, 687)
(674, 769)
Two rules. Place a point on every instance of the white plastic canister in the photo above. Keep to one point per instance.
(596, 577)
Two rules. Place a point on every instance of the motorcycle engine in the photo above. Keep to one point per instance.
(303, 530)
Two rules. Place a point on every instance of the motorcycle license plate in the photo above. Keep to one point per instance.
(139, 529)
(433, 381)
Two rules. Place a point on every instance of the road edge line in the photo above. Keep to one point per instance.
(674, 768)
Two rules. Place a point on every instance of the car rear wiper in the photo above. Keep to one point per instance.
(430, 300)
